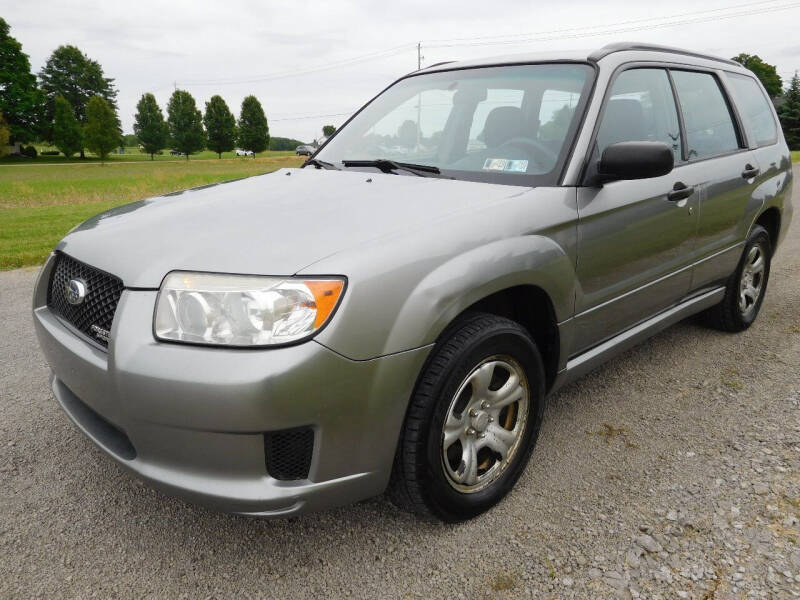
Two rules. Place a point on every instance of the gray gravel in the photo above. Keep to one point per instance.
(672, 472)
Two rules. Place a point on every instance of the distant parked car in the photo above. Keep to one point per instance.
(240, 152)
(175, 153)
(305, 150)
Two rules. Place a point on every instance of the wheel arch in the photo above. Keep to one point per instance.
(770, 219)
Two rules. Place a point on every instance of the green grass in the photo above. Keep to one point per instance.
(131, 154)
(796, 156)
(41, 202)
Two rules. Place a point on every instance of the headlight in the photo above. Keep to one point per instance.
(243, 310)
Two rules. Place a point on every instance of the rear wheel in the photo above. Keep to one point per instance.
(472, 422)
(745, 289)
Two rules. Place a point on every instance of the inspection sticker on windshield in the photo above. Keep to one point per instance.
(505, 164)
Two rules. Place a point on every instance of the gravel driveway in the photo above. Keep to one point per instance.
(672, 472)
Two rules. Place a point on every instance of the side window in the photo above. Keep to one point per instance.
(706, 116)
(754, 108)
(641, 108)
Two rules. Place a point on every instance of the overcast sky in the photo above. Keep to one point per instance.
(303, 59)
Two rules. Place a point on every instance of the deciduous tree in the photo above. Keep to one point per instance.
(253, 127)
(789, 114)
(101, 133)
(149, 125)
(21, 101)
(186, 133)
(766, 72)
(328, 130)
(220, 126)
(73, 75)
(67, 134)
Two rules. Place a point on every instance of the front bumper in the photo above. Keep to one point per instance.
(195, 417)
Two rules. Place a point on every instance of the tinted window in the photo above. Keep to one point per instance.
(709, 125)
(641, 108)
(754, 108)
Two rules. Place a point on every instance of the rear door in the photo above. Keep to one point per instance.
(728, 174)
(635, 238)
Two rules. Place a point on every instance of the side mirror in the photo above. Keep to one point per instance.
(635, 160)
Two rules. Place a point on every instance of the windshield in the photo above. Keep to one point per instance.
(510, 124)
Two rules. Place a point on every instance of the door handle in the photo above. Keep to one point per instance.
(750, 171)
(680, 191)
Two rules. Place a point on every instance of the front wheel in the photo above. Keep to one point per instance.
(472, 422)
(745, 290)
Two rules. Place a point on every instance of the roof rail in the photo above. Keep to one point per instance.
(439, 64)
(623, 46)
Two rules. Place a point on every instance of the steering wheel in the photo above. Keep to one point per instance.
(540, 153)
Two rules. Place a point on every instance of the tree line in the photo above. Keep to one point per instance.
(73, 105)
(186, 130)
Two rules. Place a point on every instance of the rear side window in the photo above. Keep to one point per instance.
(754, 107)
(709, 125)
(641, 108)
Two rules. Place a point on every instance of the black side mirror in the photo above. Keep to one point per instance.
(635, 160)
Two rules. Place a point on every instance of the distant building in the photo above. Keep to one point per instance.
(13, 149)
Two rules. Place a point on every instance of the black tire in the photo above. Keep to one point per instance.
(728, 314)
(419, 482)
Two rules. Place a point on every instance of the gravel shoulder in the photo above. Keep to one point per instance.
(671, 472)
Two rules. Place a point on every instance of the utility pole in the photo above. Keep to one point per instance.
(419, 55)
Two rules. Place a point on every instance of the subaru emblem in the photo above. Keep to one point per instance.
(75, 291)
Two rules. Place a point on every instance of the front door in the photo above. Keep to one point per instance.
(635, 238)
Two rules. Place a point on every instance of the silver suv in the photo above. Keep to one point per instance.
(394, 315)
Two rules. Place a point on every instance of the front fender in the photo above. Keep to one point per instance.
(462, 281)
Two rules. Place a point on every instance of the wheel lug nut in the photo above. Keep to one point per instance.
(491, 419)
(470, 431)
(484, 404)
(481, 435)
(473, 413)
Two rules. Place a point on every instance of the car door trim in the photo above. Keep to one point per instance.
(588, 360)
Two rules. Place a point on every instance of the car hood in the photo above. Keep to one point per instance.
(273, 224)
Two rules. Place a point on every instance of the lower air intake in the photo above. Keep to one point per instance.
(288, 453)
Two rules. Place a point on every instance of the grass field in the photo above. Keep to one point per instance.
(131, 154)
(40, 202)
(796, 156)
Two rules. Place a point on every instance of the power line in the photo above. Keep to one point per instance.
(546, 37)
(295, 72)
(586, 27)
(344, 114)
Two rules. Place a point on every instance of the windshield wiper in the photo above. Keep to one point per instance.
(320, 164)
(389, 166)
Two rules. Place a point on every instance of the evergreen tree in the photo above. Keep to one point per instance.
(220, 126)
(101, 133)
(21, 101)
(73, 75)
(186, 133)
(67, 135)
(253, 127)
(149, 125)
(789, 114)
